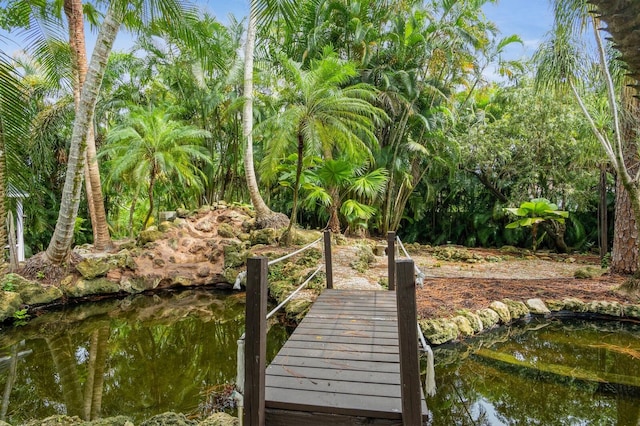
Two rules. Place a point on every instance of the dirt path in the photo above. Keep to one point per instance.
(485, 276)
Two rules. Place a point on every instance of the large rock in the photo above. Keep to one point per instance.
(31, 293)
(82, 288)
(489, 317)
(464, 326)
(220, 419)
(474, 320)
(111, 421)
(439, 331)
(537, 306)
(10, 303)
(235, 255)
(169, 419)
(133, 285)
(56, 420)
(517, 309)
(632, 311)
(149, 235)
(263, 236)
(574, 305)
(502, 310)
(93, 268)
(225, 230)
(605, 308)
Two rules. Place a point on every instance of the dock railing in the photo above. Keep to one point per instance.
(252, 345)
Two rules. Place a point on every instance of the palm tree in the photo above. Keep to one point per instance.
(262, 11)
(75, 17)
(117, 11)
(152, 148)
(321, 114)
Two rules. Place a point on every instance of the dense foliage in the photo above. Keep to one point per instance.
(370, 116)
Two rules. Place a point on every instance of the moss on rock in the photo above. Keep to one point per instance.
(438, 331)
(220, 419)
(31, 293)
(574, 305)
(474, 320)
(225, 230)
(93, 268)
(517, 309)
(464, 326)
(489, 317)
(10, 303)
(83, 288)
(169, 419)
(605, 308)
(632, 311)
(502, 310)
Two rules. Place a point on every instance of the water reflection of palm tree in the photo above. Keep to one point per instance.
(87, 404)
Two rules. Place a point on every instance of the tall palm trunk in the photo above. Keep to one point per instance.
(75, 17)
(265, 217)
(62, 238)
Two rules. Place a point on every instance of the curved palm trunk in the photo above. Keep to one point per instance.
(101, 237)
(62, 239)
(152, 182)
(262, 210)
(264, 215)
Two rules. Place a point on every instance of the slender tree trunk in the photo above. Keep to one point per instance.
(624, 257)
(62, 239)
(95, 202)
(265, 217)
(296, 190)
(603, 220)
(152, 183)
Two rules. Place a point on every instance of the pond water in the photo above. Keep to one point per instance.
(139, 356)
(544, 372)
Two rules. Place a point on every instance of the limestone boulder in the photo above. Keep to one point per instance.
(10, 303)
(225, 230)
(537, 306)
(82, 288)
(574, 305)
(502, 310)
(439, 331)
(266, 236)
(632, 311)
(474, 320)
(149, 235)
(489, 317)
(31, 293)
(517, 309)
(605, 308)
(220, 419)
(235, 255)
(464, 326)
(93, 268)
(169, 419)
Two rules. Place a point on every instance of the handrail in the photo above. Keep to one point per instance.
(419, 274)
(242, 275)
(240, 368)
(430, 383)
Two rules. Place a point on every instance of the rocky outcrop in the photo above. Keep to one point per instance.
(165, 419)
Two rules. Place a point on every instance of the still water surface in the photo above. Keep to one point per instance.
(146, 355)
(138, 357)
(542, 373)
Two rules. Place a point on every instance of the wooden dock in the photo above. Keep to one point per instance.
(353, 360)
(341, 365)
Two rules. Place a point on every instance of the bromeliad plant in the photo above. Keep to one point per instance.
(533, 213)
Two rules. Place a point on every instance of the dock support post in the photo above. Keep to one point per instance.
(328, 266)
(411, 391)
(391, 257)
(255, 341)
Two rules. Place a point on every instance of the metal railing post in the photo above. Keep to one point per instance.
(408, 343)
(328, 267)
(391, 256)
(256, 341)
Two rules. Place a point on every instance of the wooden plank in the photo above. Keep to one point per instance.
(338, 386)
(328, 374)
(312, 344)
(353, 333)
(297, 418)
(315, 324)
(340, 355)
(346, 316)
(342, 339)
(339, 364)
(350, 322)
(408, 337)
(255, 341)
(337, 403)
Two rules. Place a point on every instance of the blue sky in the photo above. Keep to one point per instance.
(530, 19)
